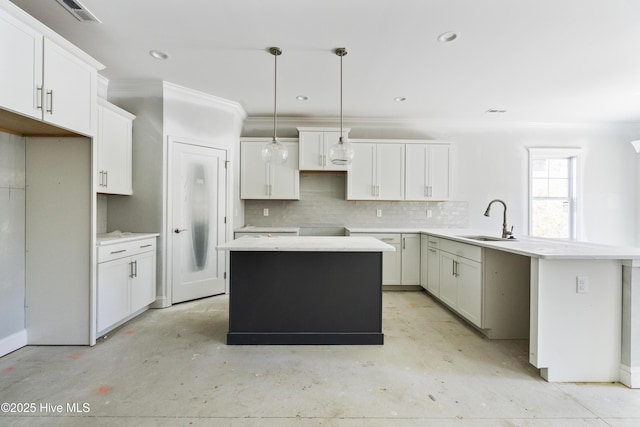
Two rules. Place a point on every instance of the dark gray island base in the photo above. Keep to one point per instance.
(297, 297)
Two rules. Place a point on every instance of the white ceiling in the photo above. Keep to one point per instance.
(541, 60)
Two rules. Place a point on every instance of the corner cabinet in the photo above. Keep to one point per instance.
(427, 172)
(126, 281)
(43, 80)
(259, 180)
(114, 149)
(314, 149)
(377, 172)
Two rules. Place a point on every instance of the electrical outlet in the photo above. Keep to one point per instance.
(429, 213)
(582, 284)
(379, 213)
(265, 212)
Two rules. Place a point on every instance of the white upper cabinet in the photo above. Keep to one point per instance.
(69, 90)
(427, 172)
(377, 172)
(114, 149)
(314, 149)
(259, 180)
(21, 70)
(41, 79)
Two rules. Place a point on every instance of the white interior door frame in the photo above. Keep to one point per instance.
(168, 253)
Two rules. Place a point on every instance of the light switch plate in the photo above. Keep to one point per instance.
(582, 284)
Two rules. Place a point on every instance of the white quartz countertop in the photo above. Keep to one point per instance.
(121, 237)
(523, 245)
(306, 244)
(255, 229)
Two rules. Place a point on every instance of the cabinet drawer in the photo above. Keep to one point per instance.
(125, 249)
(389, 238)
(433, 242)
(464, 250)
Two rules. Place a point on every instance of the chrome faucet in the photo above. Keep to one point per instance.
(505, 233)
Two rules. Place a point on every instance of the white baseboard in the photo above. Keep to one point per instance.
(13, 342)
(630, 376)
(160, 302)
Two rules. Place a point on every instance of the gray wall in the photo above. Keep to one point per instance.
(322, 204)
(12, 235)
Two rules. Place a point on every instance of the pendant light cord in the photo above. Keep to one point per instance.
(341, 132)
(275, 96)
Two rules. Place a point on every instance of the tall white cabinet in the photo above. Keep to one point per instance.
(259, 180)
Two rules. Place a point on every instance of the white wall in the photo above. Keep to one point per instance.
(490, 160)
(12, 242)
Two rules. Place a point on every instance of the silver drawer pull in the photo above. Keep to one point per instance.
(146, 246)
(118, 252)
(388, 239)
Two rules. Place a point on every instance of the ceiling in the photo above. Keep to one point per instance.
(539, 60)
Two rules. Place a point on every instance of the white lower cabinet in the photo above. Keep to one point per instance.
(461, 279)
(401, 267)
(433, 265)
(126, 281)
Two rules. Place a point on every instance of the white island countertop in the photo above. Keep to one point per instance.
(306, 244)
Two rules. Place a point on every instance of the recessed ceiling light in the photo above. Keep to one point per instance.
(302, 98)
(158, 54)
(399, 99)
(447, 37)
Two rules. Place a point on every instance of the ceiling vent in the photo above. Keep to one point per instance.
(78, 10)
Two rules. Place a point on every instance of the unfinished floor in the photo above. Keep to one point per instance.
(172, 367)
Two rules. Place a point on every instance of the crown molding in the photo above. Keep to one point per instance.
(191, 95)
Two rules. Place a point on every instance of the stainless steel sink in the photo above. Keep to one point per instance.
(488, 239)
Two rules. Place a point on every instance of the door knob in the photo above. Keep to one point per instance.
(179, 230)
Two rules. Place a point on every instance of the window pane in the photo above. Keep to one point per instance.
(550, 218)
(539, 187)
(559, 168)
(539, 168)
(558, 187)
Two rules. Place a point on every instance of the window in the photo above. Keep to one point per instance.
(552, 192)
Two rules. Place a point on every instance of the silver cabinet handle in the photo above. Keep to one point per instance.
(50, 101)
(426, 191)
(179, 230)
(118, 252)
(39, 97)
(404, 243)
(146, 246)
(433, 250)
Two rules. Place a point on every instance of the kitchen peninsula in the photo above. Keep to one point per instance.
(305, 290)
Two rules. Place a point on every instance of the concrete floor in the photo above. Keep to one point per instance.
(172, 367)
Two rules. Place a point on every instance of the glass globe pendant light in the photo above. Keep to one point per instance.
(341, 153)
(275, 152)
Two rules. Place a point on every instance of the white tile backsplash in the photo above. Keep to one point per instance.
(322, 203)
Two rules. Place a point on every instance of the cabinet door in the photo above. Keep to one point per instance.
(424, 266)
(114, 152)
(448, 279)
(70, 90)
(392, 265)
(417, 171)
(390, 171)
(439, 172)
(21, 70)
(143, 282)
(113, 292)
(311, 155)
(361, 177)
(254, 174)
(285, 179)
(410, 259)
(470, 290)
(433, 271)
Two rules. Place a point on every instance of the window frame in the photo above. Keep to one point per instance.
(573, 154)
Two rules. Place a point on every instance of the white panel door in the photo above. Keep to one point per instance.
(198, 200)
(470, 290)
(143, 283)
(21, 70)
(410, 259)
(448, 279)
(113, 292)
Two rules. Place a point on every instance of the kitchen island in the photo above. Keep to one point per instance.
(305, 290)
